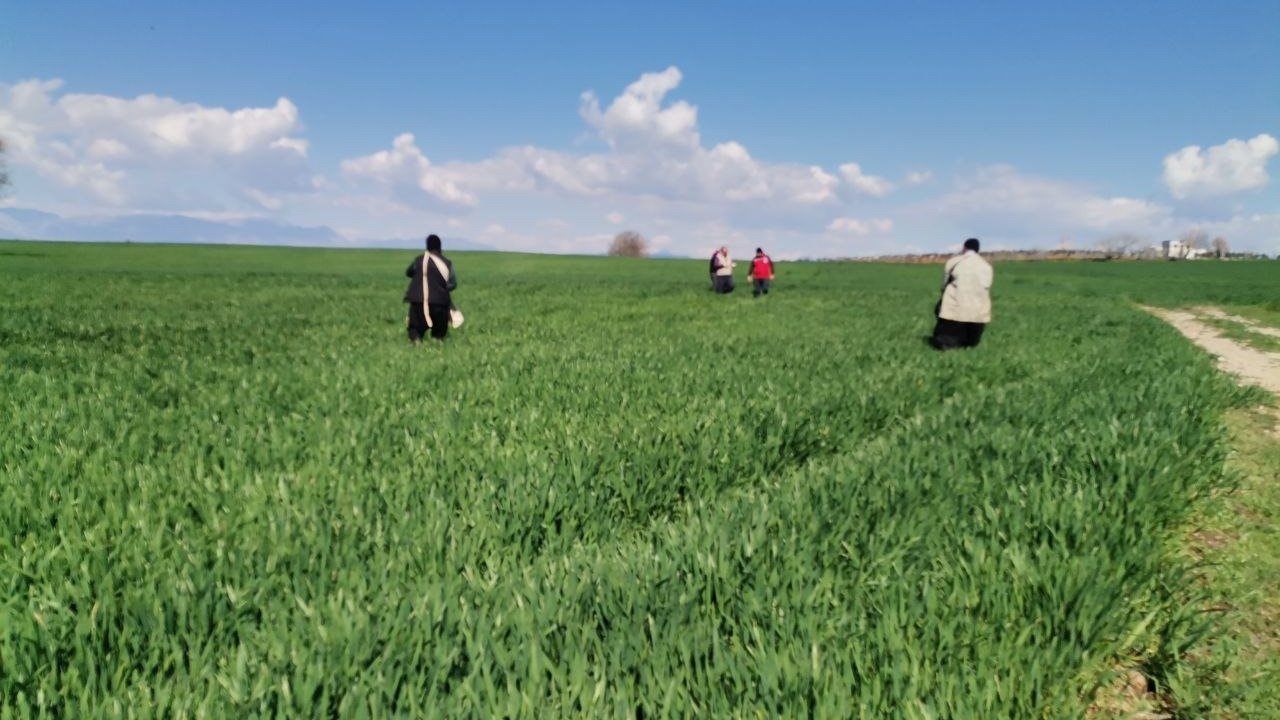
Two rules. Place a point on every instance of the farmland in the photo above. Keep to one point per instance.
(228, 487)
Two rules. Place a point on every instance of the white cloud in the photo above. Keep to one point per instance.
(1006, 208)
(877, 186)
(636, 120)
(872, 185)
(861, 228)
(654, 150)
(405, 164)
(646, 162)
(1000, 196)
(296, 145)
(107, 148)
(150, 151)
(1231, 167)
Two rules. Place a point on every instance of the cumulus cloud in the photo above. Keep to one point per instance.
(150, 150)
(646, 159)
(1231, 167)
(872, 185)
(654, 150)
(108, 148)
(404, 164)
(636, 119)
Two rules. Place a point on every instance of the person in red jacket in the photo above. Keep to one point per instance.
(761, 273)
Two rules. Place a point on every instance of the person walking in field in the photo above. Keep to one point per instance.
(760, 274)
(431, 282)
(965, 307)
(722, 271)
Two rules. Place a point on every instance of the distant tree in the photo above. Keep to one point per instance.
(4, 173)
(1193, 240)
(1121, 245)
(629, 243)
(1220, 247)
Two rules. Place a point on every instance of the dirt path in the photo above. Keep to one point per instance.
(1252, 366)
(1218, 314)
(1238, 539)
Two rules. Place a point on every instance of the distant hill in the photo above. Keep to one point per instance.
(26, 224)
(450, 244)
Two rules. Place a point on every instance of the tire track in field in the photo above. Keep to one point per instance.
(1252, 326)
(1250, 365)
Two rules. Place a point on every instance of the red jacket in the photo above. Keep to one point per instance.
(762, 268)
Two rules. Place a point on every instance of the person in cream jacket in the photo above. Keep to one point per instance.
(965, 307)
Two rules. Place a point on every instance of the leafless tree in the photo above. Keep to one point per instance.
(1121, 245)
(1193, 240)
(629, 243)
(1220, 247)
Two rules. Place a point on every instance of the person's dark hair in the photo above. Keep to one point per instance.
(433, 243)
(759, 251)
(971, 244)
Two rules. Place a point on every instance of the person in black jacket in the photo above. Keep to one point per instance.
(431, 279)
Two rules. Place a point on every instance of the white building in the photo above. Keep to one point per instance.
(1178, 250)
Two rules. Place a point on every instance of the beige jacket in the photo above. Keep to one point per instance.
(726, 265)
(966, 289)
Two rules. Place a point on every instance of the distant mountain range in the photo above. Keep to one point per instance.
(24, 224)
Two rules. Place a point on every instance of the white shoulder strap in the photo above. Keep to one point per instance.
(441, 267)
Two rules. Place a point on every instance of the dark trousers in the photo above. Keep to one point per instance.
(724, 283)
(439, 320)
(759, 287)
(418, 322)
(951, 334)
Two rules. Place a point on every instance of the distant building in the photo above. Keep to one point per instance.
(1178, 250)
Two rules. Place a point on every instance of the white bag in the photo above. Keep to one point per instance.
(455, 318)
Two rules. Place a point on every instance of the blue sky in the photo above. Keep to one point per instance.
(817, 129)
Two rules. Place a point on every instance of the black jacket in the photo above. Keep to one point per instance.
(438, 289)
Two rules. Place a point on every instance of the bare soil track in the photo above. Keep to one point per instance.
(1252, 366)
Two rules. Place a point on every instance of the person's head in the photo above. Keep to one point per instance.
(433, 243)
(971, 244)
(724, 249)
(759, 251)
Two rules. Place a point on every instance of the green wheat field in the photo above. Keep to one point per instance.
(230, 488)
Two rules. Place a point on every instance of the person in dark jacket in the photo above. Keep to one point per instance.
(431, 280)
